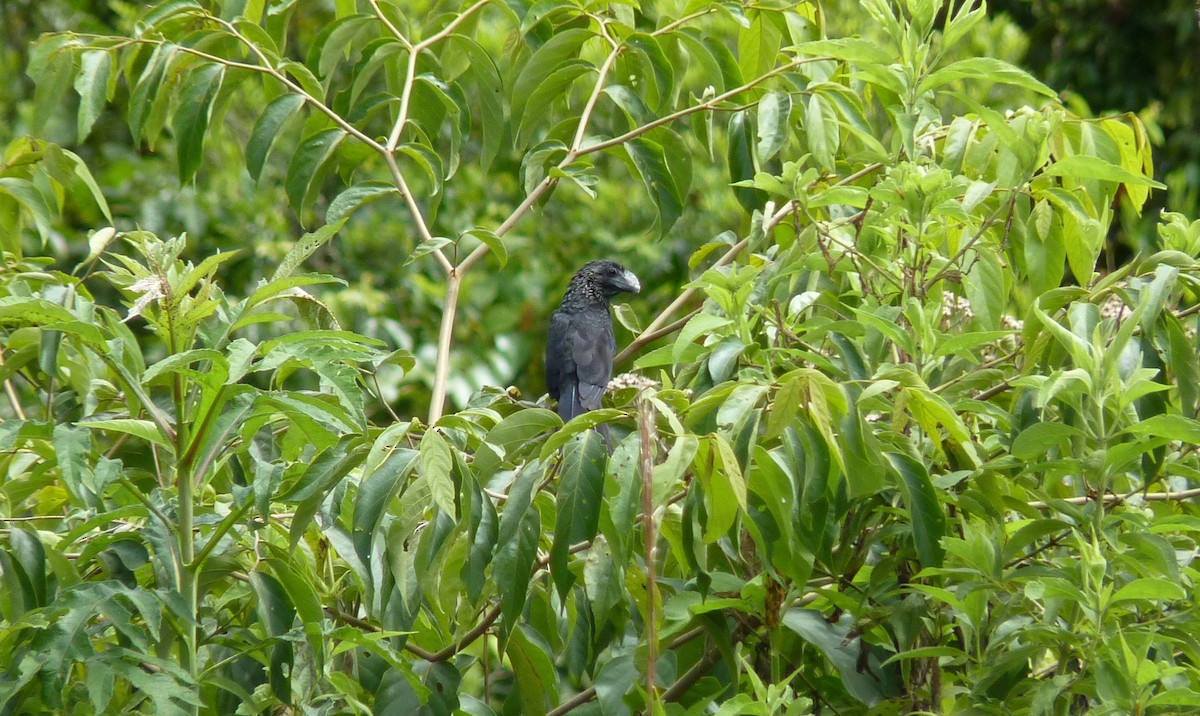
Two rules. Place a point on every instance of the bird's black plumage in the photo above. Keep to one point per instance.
(580, 347)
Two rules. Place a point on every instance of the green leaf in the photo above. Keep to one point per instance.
(1149, 589)
(578, 424)
(860, 667)
(146, 91)
(85, 175)
(925, 512)
(742, 167)
(481, 69)
(144, 429)
(311, 162)
(649, 47)
(92, 83)
(758, 45)
(196, 101)
(494, 243)
(724, 488)
(374, 493)
(774, 111)
(854, 50)
(651, 163)
(549, 58)
(435, 463)
(276, 612)
(577, 504)
(988, 69)
(553, 88)
(356, 196)
(266, 130)
(513, 563)
(28, 196)
(515, 431)
(985, 288)
(428, 161)
(299, 253)
(306, 602)
(537, 680)
(1083, 166)
(51, 66)
(820, 143)
(1172, 427)
(1037, 439)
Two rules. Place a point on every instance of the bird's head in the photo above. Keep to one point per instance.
(606, 279)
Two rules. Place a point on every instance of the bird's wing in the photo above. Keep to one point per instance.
(558, 355)
(592, 348)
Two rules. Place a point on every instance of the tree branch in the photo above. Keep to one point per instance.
(694, 674)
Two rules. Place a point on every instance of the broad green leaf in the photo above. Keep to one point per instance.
(1037, 439)
(1083, 166)
(651, 163)
(820, 143)
(28, 196)
(435, 463)
(927, 518)
(622, 498)
(854, 50)
(428, 161)
(509, 434)
(649, 47)
(276, 612)
(353, 197)
(93, 84)
(146, 91)
(537, 679)
(374, 493)
(668, 475)
(988, 69)
(309, 165)
(860, 668)
(742, 167)
(306, 602)
(494, 243)
(577, 502)
(266, 130)
(51, 66)
(548, 58)
(758, 45)
(196, 100)
(985, 287)
(1172, 427)
(144, 429)
(578, 424)
(774, 112)
(299, 253)
(489, 90)
(513, 564)
(1149, 589)
(724, 487)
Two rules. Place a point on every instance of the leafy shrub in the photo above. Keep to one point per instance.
(899, 446)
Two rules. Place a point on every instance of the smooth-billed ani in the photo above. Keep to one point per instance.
(580, 347)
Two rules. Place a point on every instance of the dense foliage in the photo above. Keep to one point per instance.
(898, 445)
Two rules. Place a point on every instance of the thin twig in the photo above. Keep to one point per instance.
(644, 338)
(574, 702)
(694, 674)
(469, 638)
(649, 538)
(1109, 499)
(12, 393)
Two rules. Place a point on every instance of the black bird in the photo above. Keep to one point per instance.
(580, 347)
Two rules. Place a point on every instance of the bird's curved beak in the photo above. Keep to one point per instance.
(629, 282)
